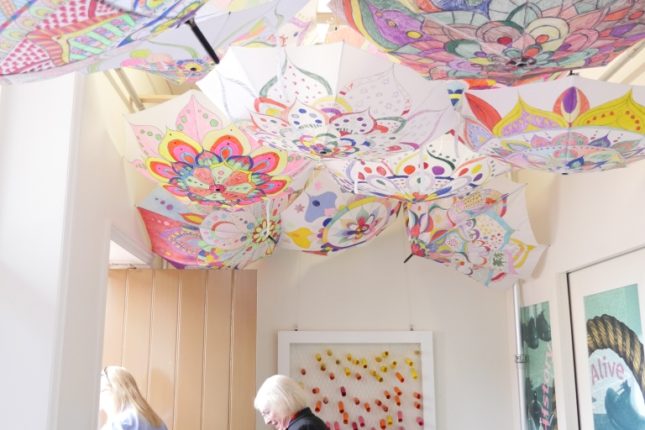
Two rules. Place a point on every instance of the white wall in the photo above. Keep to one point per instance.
(585, 218)
(371, 289)
(62, 192)
(34, 161)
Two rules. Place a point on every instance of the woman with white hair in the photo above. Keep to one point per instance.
(125, 407)
(283, 405)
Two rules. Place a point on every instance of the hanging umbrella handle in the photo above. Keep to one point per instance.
(202, 40)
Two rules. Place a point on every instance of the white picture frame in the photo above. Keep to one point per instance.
(395, 399)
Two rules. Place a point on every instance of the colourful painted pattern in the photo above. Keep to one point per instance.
(177, 56)
(45, 35)
(324, 219)
(200, 159)
(189, 236)
(567, 126)
(355, 105)
(505, 40)
(370, 386)
(485, 235)
(442, 168)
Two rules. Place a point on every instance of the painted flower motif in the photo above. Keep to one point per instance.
(194, 69)
(496, 38)
(211, 165)
(575, 136)
(370, 116)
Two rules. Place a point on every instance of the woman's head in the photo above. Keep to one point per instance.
(120, 388)
(278, 399)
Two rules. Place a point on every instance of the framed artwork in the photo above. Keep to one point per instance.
(607, 303)
(539, 377)
(363, 380)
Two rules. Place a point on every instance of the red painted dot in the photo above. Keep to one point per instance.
(504, 40)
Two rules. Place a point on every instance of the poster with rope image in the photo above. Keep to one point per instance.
(539, 377)
(363, 380)
(615, 350)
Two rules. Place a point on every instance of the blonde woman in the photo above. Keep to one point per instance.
(125, 407)
(282, 402)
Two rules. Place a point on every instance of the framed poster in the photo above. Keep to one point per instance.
(539, 379)
(607, 303)
(370, 379)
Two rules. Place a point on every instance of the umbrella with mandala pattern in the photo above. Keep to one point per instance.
(193, 236)
(566, 126)
(505, 40)
(330, 101)
(485, 235)
(325, 219)
(45, 38)
(187, 147)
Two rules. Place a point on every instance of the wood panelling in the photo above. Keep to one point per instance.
(188, 337)
(243, 349)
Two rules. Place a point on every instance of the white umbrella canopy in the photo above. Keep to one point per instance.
(485, 235)
(330, 101)
(439, 169)
(571, 125)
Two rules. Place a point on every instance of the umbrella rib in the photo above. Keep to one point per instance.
(202, 40)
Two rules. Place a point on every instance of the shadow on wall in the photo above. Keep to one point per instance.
(542, 199)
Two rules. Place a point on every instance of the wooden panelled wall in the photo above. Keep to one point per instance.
(188, 337)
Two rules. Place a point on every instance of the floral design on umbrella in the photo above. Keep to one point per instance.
(45, 38)
(485, 235)
(440, 169)
(189, 236)
(566, 126)
(499, 39)
(330, 101)
(324, 219)
(178, 57)
(199, 159)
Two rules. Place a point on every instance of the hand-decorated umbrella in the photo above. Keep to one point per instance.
(42, 38)
(190, 236)
(330, 101)
(505, 40)
(47, 38)
(565, 126)
(485, 235)
(325, 219)
(440, 169)
(186, 146)
(178, 56)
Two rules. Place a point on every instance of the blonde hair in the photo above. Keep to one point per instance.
(281, 395)
(126, 393)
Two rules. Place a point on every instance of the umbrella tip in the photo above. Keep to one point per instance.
(408, 258)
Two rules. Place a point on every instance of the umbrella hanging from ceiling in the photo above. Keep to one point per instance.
(567, 126)
(188, 147)
(46, 39)
(439, 169)
(178, 56)
(485, 235)
(330, 101)
(191, 236)
(499, 39)
(324, 219)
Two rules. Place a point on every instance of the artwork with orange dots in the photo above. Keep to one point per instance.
(368, 386)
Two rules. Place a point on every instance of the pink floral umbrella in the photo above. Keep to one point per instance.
(186, 146)
(505, 40)
(566, 126)
(192, 236)
(485, 235)
(330, 101)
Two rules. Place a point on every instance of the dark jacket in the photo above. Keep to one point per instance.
(306, 420)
